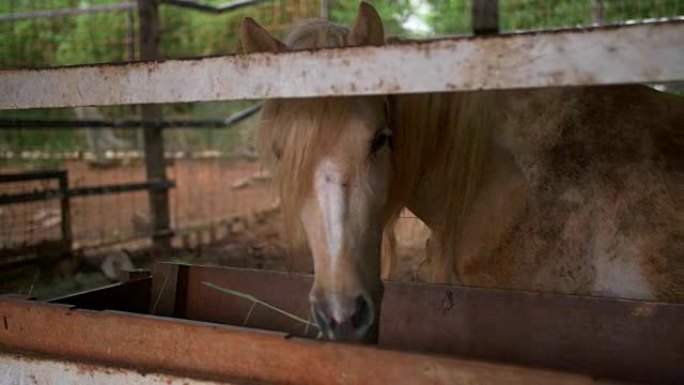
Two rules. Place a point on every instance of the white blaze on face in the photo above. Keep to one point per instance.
(330, 196)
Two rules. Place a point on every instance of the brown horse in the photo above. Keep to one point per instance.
(568, 190)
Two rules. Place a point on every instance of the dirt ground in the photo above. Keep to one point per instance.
(231, 195)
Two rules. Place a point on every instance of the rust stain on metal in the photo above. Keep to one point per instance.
(650, 52)
(209, 351)
(448, 302)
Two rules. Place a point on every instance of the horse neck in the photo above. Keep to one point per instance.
(441, 143)
(440, 137)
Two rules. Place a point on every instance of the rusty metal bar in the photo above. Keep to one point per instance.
(651, 52)
(609, 338)
(210, 351)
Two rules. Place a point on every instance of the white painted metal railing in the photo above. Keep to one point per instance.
(643, 53)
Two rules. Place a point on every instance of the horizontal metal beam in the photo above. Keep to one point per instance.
(31, 175)
(68, 11)
(199, 6)
(652, 52)
(203, 350)
(49, 194)
(121, 188)
(31, 124)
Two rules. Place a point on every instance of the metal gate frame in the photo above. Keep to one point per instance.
(173, 323)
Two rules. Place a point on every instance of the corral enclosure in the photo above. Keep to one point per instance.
(89, 192)
(220, 209)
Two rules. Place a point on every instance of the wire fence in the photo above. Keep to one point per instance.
(214, 169)
(454, 17)
(29, 223)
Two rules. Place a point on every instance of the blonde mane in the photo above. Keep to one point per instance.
(445, 132)
(448, 131)
(291, 136)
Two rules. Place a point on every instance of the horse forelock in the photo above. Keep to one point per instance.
(316, 33)
(295, 134)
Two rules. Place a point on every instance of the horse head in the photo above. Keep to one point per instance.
(332, 160)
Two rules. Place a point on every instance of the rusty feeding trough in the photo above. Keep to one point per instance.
(174, 326)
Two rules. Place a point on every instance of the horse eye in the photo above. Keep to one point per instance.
(382, 138)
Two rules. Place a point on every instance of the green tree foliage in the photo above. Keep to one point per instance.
(188, 33)
(32, 42)
(453, 16)
(393, 13)
(97, 38)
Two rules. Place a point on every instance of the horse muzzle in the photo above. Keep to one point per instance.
(346, 318)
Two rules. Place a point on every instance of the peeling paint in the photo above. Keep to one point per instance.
(652, 52)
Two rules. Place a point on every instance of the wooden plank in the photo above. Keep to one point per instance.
(651, 52)
(210, 351)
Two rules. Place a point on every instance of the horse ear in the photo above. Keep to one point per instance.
(256, 39)
(367, 29)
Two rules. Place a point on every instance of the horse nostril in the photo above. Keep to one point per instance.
(346, 319)
(363, 315)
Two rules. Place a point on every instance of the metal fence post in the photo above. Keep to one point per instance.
(597, 12)
(325, 9)
(148, 13)
(485, 17)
